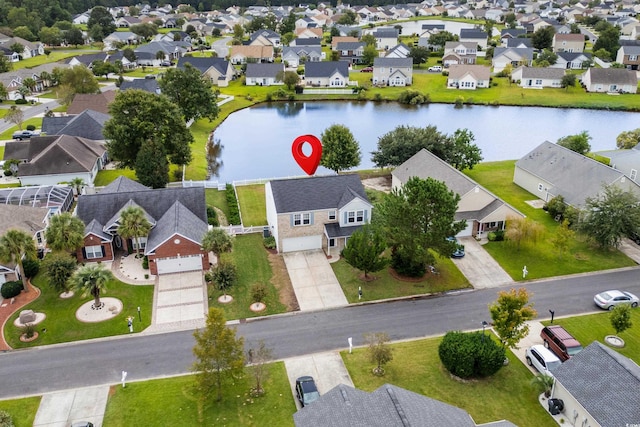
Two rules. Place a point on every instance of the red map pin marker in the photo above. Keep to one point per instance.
(310, 163)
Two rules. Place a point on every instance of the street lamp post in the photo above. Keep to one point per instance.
(484, 325)
(139, 315)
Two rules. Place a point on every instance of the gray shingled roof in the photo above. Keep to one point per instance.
(542, 73)
(148, 85)
(472, 33)
(122, 184)
(88, 124)
(334, 230)
(203, 64)
(618, 76)
(25, 218)
(392, 62)
(388, 406)
(386, 33)
(264, 69)
(570, 56)
(309, 194)
(326, 69)
(177, 220)
(94, 227)
(349, 45)
(513, 53)
(605, 383)
(572, 175)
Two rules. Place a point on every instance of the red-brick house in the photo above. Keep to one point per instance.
(178, 218)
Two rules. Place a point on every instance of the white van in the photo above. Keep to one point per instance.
(542, 359)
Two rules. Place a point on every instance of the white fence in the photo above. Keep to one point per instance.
(328, 91)
(239, 229)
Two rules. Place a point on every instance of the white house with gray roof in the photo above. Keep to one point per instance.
(392, 71)
(610, 80)
(482, 210)
(599, 387)
(537, 77)
(317, 212)
(296, 55)
(550, 170)
(327, 73)
(266, 74)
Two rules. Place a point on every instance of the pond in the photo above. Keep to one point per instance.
(256, 142)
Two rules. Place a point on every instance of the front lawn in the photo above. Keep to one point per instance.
(386, 286)
(594, 327)
(253, 207)
(416, 366)
(251, 259)
(174, 402)
(22, 411)
(35, 121)
(107, 176)
(62, 325)
(541, 258)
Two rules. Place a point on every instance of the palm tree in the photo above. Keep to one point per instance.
(24, 91)
(14, 246)
(77, 183)
(544, 383)
(46, 78)
(134, 224)
(217, 241)
(30, 83)
(65, 232)
(91, 279)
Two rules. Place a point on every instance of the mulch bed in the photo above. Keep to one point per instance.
(6, 312)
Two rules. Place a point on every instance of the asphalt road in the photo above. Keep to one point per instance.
(88, 363)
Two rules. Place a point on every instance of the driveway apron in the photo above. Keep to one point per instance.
(180, 300)
(313, 280)
(479, 267)
(60, 409)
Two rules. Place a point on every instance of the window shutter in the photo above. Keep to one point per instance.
(102, 249)
(366, 212)
(84, 253)
(291, 220)
(311, 218)
(346, 218)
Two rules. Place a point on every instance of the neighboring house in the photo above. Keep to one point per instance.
(241, 54)
(519, 43)
(468, 77)
(388, 406)
(608, 399)
(265, 38)
(91, 101)
(308, 33)
(327, 73)
(474, 35)
(458, 53)
(629, 56)
(30, 49)
(294, 56)
(511, 33)
(550, 170)
(88, 124)
(120, 38)
(482, 210)
(503, 56)
(351, 51)
(264, 74)
(148, 85)
(49, 160)
(626, 161)
(537, 77)
(155, 53)
(127, 21)
(399, 51)
(178, 217)
(317, 212)
(610, 80)
(339, 39)
(118, 56)
(86, 60)
(392, 71)
(386, 38)
(572, 61)
(306, 42)
(568, 43)
(218, 71)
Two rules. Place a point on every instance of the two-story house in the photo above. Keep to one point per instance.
(629, 56)
(568, 43)
(317, 212)
(458, 53)
(392, 71)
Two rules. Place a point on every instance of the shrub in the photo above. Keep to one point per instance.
(459, 101)
(413, 97)
(145, 263)
(377, 97)
(496, 236)
(21, 101)
(177, 174)
(208, 277)
(8, 172)
(472, 354)
(225, 275)
(258, 292)
(31, 127)
(212, 216)
(234, 212)
(269, 242)
(31, 267)
(269, 97)
(11, 289)
(556, 208)
(406, 266)
(5, 419)
(29, 330)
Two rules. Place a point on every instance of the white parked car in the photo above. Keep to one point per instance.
(609, 299)
(436, 68)
(542, 359)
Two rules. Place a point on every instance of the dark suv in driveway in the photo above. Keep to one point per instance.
(562, 343)
(306, 390)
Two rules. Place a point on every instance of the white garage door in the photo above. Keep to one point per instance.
(307, 243)
(467, 231)
(178, 264)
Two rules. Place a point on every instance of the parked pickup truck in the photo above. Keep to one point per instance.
(25, 134)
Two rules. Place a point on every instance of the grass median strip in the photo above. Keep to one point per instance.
(22, 411)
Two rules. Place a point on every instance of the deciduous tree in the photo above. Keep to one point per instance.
(568, 80)
(610, 216)
(626, 140)
(520, 230)
(543, 38)
(152, 166)
(379, 351)
(608, 39)
(369, 54)
(65, 232)
(15, 115)
(578, 143)
(289, 78)
(190, 92)
(219, 355)
(620, 318)
(74, 37)
(562, 237)
(137, 117)
(441, 38)
(419, 55)
(364, 250)
(509, 313)
(15, 245)
(463, 153)
(416, 221)
(257, 359)
(100, 23)
(340, 150)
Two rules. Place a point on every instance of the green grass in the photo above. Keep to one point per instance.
(541, 259)
(36, 121)
(61, 323)
(386, 286)
(55, 56)
(17, 184)
(174, 402)
(250, 257)
(22, 411)
(417, 367)
(107, 176)
(595, 327)
(218, 199)
(253, 208)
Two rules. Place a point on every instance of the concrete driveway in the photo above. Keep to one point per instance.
(60, 409)
(180, 300)
(479, 267)
(327, 369)
(313, 280)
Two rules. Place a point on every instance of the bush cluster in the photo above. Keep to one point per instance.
(31, 127)
(5, 419)
(11, 289)
(406, 265)
(145, 262)
(413, 97)
(468, 355)
(496, 236)
(31, 267)
(269, 242)
(234, 212)
(21, 101)
(212, 216)
(258, 292)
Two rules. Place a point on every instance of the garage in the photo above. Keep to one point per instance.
(179, 264)
(468, 230)
(306, 243)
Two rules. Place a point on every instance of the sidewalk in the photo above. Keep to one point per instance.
(60, 409)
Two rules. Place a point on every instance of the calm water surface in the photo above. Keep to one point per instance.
(257, 141)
